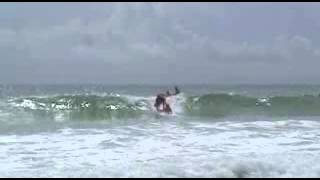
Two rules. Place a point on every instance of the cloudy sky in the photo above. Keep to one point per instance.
(160, 43)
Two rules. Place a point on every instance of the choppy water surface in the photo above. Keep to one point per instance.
(101, 131)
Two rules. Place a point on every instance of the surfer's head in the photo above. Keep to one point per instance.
(168, 93)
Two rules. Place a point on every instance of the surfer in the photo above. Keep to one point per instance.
(161, 100)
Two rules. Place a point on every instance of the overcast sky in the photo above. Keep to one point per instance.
(160, 43)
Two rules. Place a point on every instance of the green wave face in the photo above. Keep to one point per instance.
(82, 107)
(225, 104)
(219, 105)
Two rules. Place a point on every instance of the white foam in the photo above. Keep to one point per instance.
(112, 107)
(26, 103)
(166, 149)
(60, 106)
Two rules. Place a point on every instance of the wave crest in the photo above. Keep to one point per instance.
(82, 106)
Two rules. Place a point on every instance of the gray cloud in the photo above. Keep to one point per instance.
(159, 43)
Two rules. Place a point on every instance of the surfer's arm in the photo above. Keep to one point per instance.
(177, 90)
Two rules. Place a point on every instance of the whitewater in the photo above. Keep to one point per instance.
(113, 131)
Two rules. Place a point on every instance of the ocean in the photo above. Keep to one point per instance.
(112, 131)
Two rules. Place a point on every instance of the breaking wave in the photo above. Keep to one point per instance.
(125, 106)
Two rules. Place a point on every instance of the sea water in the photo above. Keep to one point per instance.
(113, 131)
